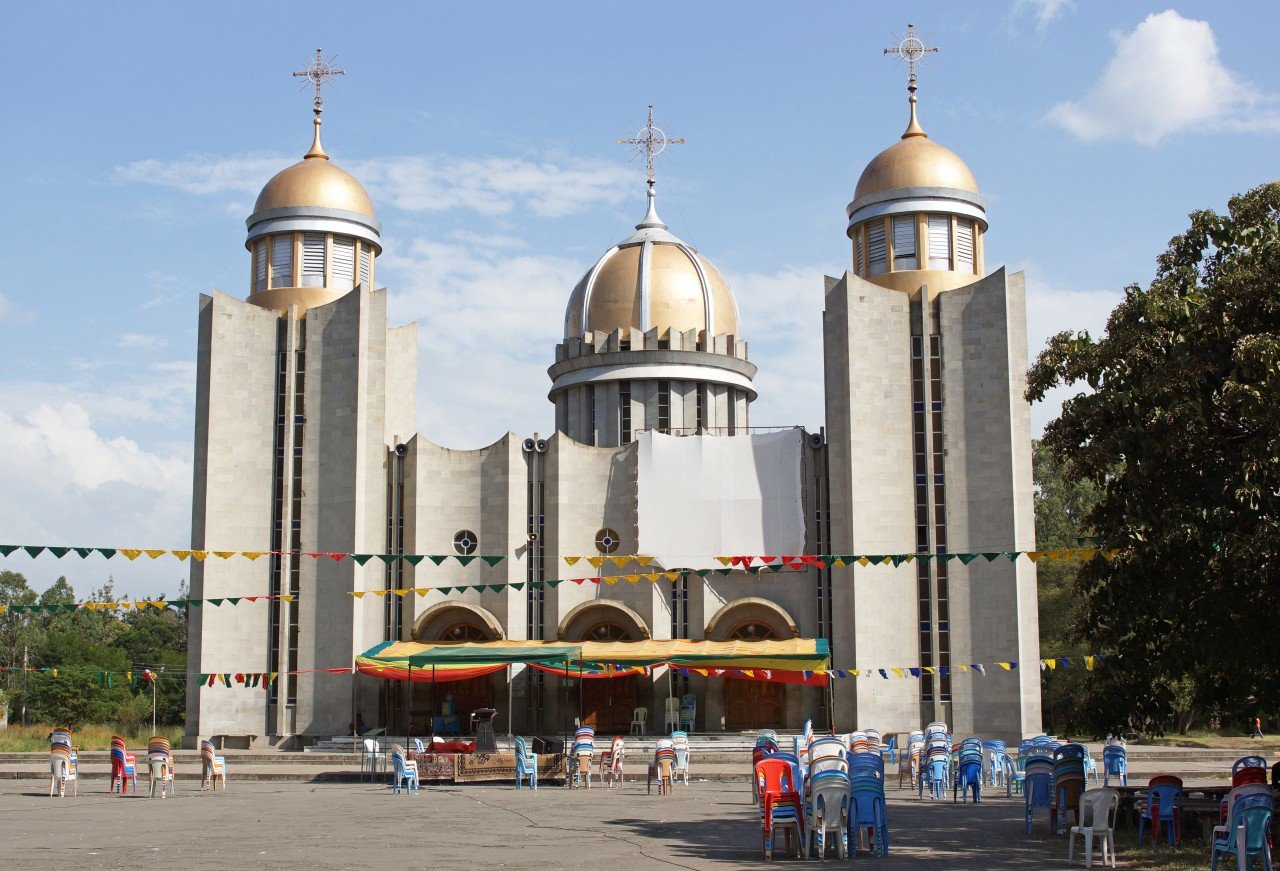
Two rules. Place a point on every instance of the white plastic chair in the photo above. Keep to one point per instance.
(373, 752)
(1097, 817)
(638, 718)
(828, 812)
(671, 715)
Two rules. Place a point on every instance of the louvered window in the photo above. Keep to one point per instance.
(313, 259)
(939, 242)
(876, 250)
(964, 246)
(858, 265)
(260, 265)
(904, 242)
(366, 263)
(282, 260)
(344, 262)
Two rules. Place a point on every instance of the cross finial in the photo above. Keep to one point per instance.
(650, 141)
(911, 49)
(319, 72)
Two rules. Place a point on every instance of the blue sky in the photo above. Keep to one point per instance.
(138, 135)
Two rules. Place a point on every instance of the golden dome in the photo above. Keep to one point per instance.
(915, 161)
(314, 181)
(652, 280)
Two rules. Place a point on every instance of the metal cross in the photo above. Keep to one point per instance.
(651, 141)
(318, 73)
(911, 49)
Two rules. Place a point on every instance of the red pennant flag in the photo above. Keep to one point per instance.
(336, 557)
(252, 598)
(239, 678)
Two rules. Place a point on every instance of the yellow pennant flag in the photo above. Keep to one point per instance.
(862, 561)
(749, 672)
(620, 561)
(671, 576)
(1051, 664)
(1005, 665)
(896, 671)
(644, 560)
(380, 592)
(421, 591)
(159, 604)
(596, 561)
(287, 597)
(1088, 552)
(928, 669)
(130, 554)
(838, 563)
(960, 667)
(724, 560)
(155, 554)
(181, 554)
(610, 580)
(1088, 663)
(359, 594)
(251, 555)
(631, 579)
(199, 555)
(224, 554)
(3, 609)
(856, 672)
(572, 560)
(1034, 555)
(401, 593)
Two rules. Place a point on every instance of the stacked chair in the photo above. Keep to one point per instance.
(1250, 807)
(936, 763)
(1090, 765)
(1163, 804)
(213, 767)
(671, 714)
(827, 799)
(969, 771)
(781, 805)
(1115, 763)
(403, 771)
(663, 767)
(1068, 785)
(584, 746)
(995, 752)
(680, 743)
(62, 763)
(124, 766)
(688, 712)
(858, 743)
(1097, 821)
(159, 765)
(912, 760)
(611, 762)
(1037, 780)
(766, 744)
(867, 802)
(526, 764)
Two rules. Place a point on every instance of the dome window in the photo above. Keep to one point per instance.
(282, 260)
(964, 245)
(877, 251)
(904, 242)
(260, 265)
(313, 260)
(344, 262)
(466, 542)
(939, 242)
(366, 264)
(607, 541)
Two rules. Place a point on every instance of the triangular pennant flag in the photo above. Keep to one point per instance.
(631, 579)
(572, 560)
(961, 668)
(863, 561)
(1064, 662)
(493, 560)
(464, 560)
(401, 593)
(235, 600)
(180, 554)
(215, 602)
(251, 555)
(896, 671)
(199, 555)
(336, 557)
(967, 558)
(1088, 663)
(1007, 666)
(1034, 555)
(414, 558)
(928, 669)
(619, 561)
(915, 672)
(359, 594)
(445, 590)
(388, 558)
(519, 586)
(702, 573)
(224, 554)
(553, 584)
(380, 592)
(59, 552)
(7, 549)
(154, 554)
(643, 560)
(421, 591)
(609, 580)
(924, 557)
(596, 561)
(252, 598)
(724, 560)
(33, 550)
(314, 554)
(497, 588)
(991, 556)
(945, 557)
(362, 558)
(1011, 555)
(195, 602)
(898, 559)
(979, 668)
(83, 552)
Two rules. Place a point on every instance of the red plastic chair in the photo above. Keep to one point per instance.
(1245, 776)
(780, 804)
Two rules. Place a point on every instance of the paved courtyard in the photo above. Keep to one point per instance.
(340, 826)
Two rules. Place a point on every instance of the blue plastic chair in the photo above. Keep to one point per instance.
(891, 750)
(1248, 762)
(968, 771)
(1253, 812)
(403, 773)
(526, 764)
(1163, 806)
(688, 711)
(866, 763)
(867, 811)
(1037, 790)
(995, 751)
(1115, 763)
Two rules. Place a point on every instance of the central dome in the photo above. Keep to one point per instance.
(915, 162)
(651, 280)
(314, 181)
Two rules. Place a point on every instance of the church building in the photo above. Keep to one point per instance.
(307, 442)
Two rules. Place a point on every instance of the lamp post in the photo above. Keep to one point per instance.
(153, 677)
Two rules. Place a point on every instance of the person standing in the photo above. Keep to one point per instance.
(1257, 728)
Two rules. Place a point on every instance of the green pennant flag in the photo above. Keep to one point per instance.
(226, 680)
(497, 588)
(388, 558)
(991, 557)
(1011, 555)
(775, 569)
(725, 572)
(254, 679)
(133, 679)
(465, 560)
(59, 552)
(176, 603)
(554, 584)
(535, 585)
(107, 552)
(493, 560)
(946, 557)
(236, 600)
(519, 586)
(69, 608)
(362, 558)
(202, 678)
(444, 590)
(898, 559)
(214, 602)
(967, 558)
(195, 603)
(32, 550)
(83, 552)
(702, 573)
(439, 559)
(924, 557)
(413, 558)
(7, 549)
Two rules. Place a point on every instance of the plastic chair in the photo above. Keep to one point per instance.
(1249, 762)
(780, 804)
(526, 764)
(611, 761)
(867, 813)
(1246, 831)
(663, 767)
(373, 754)
(680, 743)
(124, 767)
(890, 749)
(212, 767)
(404, 771)
(1097, 818)
(1164, 797)
(1068, 785)
(584, 747)
(968, 771)
(688, 711)
(764, 747)
(159, 765)
(670, 714)
(1037, 788)
(638, 718)
(827, 811)
(1250, 775)
(1115, 763)
(994, 753)
(63, 764)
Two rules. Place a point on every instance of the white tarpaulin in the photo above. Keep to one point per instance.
(705, 496)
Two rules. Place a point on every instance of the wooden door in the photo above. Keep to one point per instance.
(468, 695)
(607, 704)
(753, 704)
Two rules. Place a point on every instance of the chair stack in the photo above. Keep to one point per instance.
(781, 807)
(403, 771)
(680, 743)
(858, 743)
(62, 763)
(662, 768)
(1068, 785)
(867, 810)
(827, 799)
(159, 765)
(1163, 805)
(584, 746)
(688, 712)
(1251, 809)
(766, 744)
(912, 759)
(213, 767)
(1037, 780)
(969, 771)
(124, 767)
(1115, 763)
(937, 761)
(527, 764)
(611, 761)
(671, 714)
(995, 753)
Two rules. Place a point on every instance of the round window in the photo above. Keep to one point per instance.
(607, 541)
(466, 542)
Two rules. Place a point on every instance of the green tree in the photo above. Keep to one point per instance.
(1180, 435)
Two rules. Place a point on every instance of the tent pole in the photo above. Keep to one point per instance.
(580, 692)
(509, 696)
(408, 706)
(433, 702)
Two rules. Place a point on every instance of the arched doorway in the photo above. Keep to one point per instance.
(752, 704)
(607, 703)
(457, 623)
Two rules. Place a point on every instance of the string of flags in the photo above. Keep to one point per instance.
(1089, 663)
(141, 604)
(896, 559)
(129, 553)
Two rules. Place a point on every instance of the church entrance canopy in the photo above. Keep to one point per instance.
(400, 660)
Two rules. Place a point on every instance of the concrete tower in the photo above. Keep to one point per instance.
(930, 448)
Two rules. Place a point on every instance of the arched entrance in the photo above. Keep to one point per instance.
(752, 704)
(457, 622)
(607, 703)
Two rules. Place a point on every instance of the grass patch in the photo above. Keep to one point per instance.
(1226, 739)
(35, 738)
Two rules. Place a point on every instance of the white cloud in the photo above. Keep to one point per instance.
(1165, 77)
(415, 183)
(12, 312)
(1044, 11)
(141, 341)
